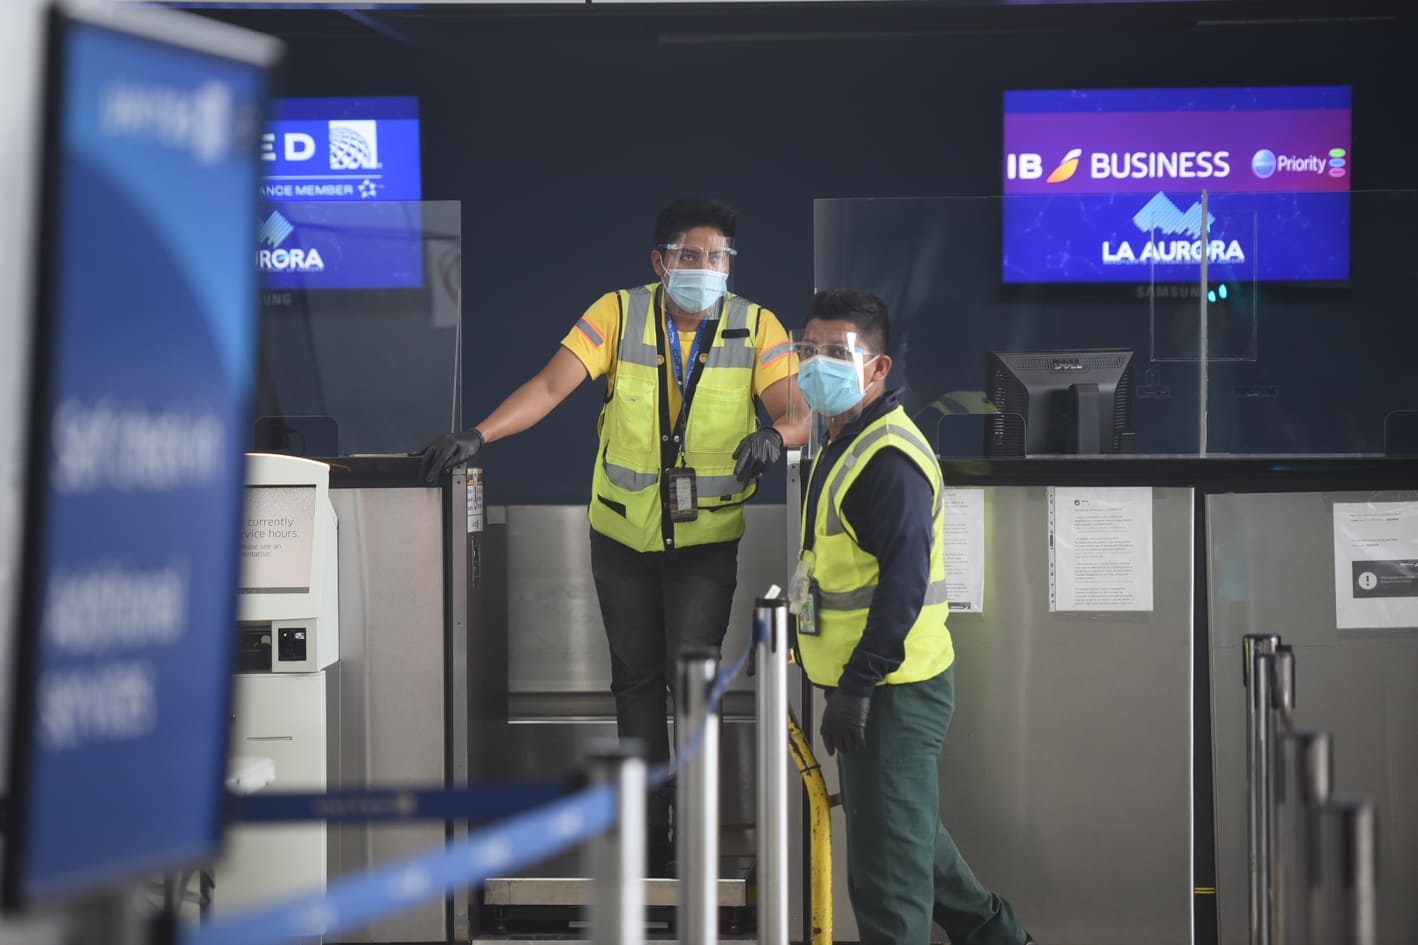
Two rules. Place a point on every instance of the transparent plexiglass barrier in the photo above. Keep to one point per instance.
(1023, 328)
(360, 326)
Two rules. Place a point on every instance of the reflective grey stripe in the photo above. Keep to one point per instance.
(627, 478)
(590, 332)
(733, 352)
(633, 349)
(854, 455)
(860, 599)
(775, 352)
(715, 486)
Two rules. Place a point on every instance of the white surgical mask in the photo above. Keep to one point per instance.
(694, 290)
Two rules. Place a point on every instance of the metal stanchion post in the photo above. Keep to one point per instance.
(1347, 873)
(1318, 769)
(1360, 850)
(1257, 654)
(770, 621)
(1282, 826)
(1301, 777)
(1362, 877)
(1282, 697)
(617, 856)
(697, 799)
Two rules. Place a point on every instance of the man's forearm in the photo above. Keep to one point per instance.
(527, 405)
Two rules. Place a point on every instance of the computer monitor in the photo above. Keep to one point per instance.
(1059, 402)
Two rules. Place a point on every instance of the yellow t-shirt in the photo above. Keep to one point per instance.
(595, 340)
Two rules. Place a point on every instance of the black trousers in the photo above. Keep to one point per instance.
(652, 604)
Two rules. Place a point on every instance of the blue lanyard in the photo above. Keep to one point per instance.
(676, 356)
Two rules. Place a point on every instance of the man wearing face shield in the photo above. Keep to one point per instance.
(869, 595)
(687, 363)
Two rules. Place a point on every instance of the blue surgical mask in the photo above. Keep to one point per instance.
(830, 387)
(694, 290)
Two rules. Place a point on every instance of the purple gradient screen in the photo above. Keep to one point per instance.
(1105, 185)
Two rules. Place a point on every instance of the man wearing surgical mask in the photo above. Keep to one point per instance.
(688, 365)
(869, 596)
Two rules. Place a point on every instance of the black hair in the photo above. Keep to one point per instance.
(687, 213)
(865, 310)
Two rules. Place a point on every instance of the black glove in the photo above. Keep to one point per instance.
(844, 721)
(756, 452)
(451, 449)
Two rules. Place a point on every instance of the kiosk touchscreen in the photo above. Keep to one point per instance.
(288, 615)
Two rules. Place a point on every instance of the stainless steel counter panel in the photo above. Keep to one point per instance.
(556, 640)
(1272, 571)
(556, 671)
(1065, 777)
(387, 695)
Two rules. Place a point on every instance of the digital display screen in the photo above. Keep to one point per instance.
(1106, 185)
(359, 149)
(342, 180)
(146, 334)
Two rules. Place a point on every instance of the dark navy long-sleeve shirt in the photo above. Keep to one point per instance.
(888, 508)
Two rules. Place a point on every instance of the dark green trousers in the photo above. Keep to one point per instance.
(903, 868)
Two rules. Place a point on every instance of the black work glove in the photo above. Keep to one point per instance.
(844, 721)
(447, 451)
(756, 452)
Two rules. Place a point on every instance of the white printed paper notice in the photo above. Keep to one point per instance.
(965, 550)
(1376, 564)
(1100, 549)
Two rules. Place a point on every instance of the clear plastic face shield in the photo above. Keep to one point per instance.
(695, 269)
(835, 373)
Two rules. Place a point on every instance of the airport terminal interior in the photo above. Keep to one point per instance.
(284, 660)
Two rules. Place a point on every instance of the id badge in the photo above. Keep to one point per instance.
(802, 602)
(684, 501)
(807, 613)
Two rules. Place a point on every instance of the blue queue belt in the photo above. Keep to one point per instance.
(525, 838)
(360, 900)
(661, 773)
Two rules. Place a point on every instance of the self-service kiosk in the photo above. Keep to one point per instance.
(288, 627)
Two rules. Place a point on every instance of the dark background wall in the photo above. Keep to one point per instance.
(563, 132)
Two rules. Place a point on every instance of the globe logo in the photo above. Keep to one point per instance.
(1263, 163)
(353, 145)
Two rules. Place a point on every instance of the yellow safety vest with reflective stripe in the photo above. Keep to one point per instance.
(628, 500)
(846, 576)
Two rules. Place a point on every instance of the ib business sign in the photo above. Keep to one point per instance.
(145, 344)
(1105, 185)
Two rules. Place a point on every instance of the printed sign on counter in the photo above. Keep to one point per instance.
(965, 550)
(1100, 549)
(1376, 564)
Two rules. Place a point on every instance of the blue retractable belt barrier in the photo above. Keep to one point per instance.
(661, 773)
(485, 804)
(359, 900)
(528, 837)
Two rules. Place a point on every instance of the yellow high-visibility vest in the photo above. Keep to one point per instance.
(638, 437)
(846, 576)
